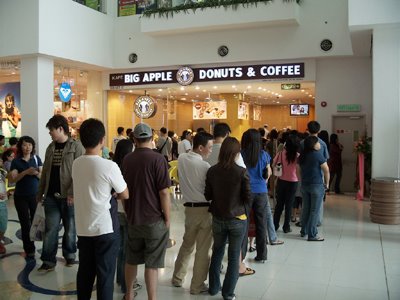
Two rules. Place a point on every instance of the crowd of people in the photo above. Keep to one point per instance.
(116, 211)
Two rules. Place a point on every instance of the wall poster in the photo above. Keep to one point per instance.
(243, 110)
(10, 105)
(256, 112)
(209, 110)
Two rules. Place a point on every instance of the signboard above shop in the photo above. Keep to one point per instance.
(187, 75)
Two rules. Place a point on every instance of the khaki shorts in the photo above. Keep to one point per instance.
(147, 244)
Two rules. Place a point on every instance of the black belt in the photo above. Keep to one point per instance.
(196, 204)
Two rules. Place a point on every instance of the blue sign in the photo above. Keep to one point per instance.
(65, 92)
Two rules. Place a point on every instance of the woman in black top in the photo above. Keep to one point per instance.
(228, 187)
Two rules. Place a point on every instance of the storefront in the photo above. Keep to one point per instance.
(74, 96)
(243, 96)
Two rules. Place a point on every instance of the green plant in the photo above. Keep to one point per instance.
(193, 6)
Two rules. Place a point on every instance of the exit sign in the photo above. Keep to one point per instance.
(290, 86)
(349, 107)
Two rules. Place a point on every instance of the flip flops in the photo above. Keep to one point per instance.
(316, 239)
(248, 271)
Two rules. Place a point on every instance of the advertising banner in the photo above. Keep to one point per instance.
(10, 105)
(209, 110)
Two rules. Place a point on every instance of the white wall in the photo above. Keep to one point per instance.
(369, 13)
(246, 44)
(343, 81)
(19, 24)
(58, 28)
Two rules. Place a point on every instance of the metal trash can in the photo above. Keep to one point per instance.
(385, 200)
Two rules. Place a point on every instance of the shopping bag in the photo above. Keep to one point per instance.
(38, 224)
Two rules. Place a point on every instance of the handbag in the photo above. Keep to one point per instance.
(36, 232)
(278, 167)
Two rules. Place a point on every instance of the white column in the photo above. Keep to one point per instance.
(386, 102)
(37, 77)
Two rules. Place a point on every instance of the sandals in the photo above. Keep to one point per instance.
(252, 249)
(248, 271)
(277, 242)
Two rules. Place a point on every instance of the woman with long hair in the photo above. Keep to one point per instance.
(257, 162)
(25, 171)
(312, 163)
(227, 185)
(123, 148)
(287, 183)
(335, 161)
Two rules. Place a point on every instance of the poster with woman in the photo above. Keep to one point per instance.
(10, 104)
(243, 110)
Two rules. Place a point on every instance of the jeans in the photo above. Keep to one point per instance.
(55, 210)
(285, 192)
(26, 207)
(312, 202)
(97, 260)
(233, 230)
(123, 229)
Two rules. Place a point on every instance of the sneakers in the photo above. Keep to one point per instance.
(176, 283)
(70, 262)
(203, 289)
(46, 268)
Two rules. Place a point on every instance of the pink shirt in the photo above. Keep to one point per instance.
(288, 170)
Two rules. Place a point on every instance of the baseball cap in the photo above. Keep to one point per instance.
(142, 130)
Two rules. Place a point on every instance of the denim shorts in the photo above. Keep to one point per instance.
(3, 216)
(147, 244)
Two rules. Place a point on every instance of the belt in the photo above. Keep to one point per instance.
(196, 204)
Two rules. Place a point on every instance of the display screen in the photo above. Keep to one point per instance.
(299, 109)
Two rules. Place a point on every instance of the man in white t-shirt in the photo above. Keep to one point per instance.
(96, 215)
(198, 231)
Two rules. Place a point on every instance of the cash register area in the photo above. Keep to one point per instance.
(358, 260)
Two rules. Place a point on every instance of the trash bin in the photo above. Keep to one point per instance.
(385, 200)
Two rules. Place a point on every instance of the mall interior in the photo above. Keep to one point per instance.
(281, 63)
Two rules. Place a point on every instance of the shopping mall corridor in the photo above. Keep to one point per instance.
(357, 260)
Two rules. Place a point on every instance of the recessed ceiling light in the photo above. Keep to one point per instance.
(260, 88)
(130, 91)
(277, 102)
(234, 86)
(204, 91)
(197, 87)
(183, 98)
(249, 86)
(186, 94)
(215, 87)
(310, 96)
(293, 100)
(182, 88)
(302, 91)
(160, 90)
(197, 96)
(265, 90)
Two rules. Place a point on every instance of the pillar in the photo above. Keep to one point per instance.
(386, 102)
(37, 97)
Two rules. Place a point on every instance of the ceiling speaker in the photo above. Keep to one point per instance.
(223, 51)
(133, 57)
(326, 45)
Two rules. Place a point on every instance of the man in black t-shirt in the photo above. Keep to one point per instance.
(56, 188)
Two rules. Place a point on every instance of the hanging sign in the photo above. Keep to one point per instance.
(145, 107)
(187, 75)
(348, 107)
(65, 92)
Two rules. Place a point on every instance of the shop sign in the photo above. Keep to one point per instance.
(65, 92)
(187, 75)
(348, 107)
(145, 107)
(290, 86)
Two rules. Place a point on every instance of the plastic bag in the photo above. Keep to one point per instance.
(38, 225)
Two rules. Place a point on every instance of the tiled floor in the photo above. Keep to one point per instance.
(358, 260)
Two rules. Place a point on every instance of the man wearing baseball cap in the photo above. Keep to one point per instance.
(147, 209)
